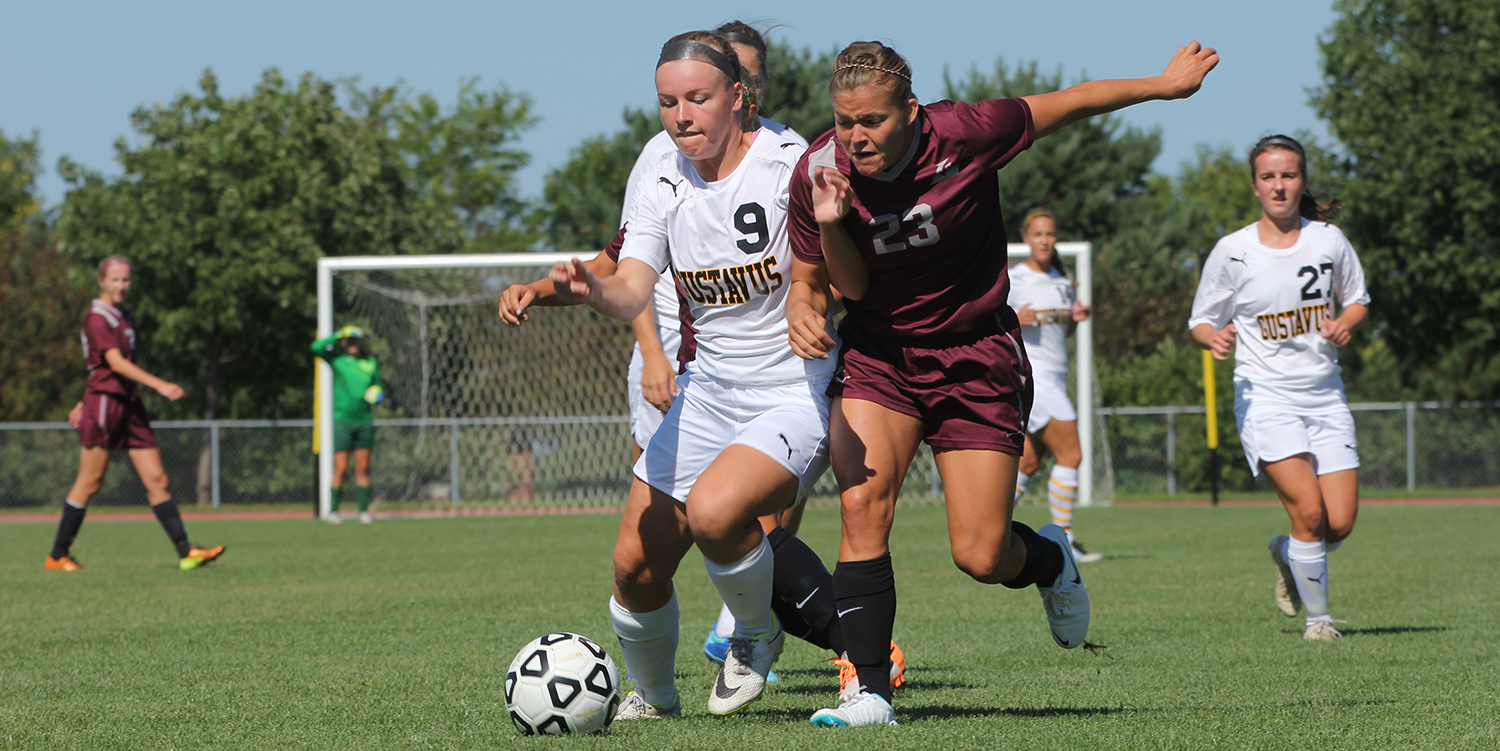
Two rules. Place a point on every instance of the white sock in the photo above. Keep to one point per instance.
(1062, 490)
(724, 627)
(1021, 479)
(649, 641)
(74, 504)
(1329, 547)
(745, 586)
(1309, 562)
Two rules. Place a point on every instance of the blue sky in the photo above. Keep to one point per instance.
(73, 71)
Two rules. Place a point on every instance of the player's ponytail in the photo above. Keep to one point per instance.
(871, 64)
(1307, 205)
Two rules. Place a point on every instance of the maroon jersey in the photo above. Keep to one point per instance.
(930, 229)
(105, 328)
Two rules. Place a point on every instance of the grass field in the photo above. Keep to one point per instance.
(397, 635)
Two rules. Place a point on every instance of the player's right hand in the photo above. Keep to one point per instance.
(513, 304)
(1222, 342)
(1027, 315)
(75, 415)
(808, 333)
(171, 391)
(575, 281)
(831, 195)
(1185, 73)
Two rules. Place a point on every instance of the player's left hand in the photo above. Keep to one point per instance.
(658, 381)
(1185, 73)
(1080, 311)
(75, 416)
(575, 282)
(1335, 332)
(171, 391)
(808, 333)
(831, 195)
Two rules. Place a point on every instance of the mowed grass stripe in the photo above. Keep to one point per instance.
(397, 635)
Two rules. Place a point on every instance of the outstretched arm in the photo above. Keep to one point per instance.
(623, 295)
(1053, 111)
(518, 297)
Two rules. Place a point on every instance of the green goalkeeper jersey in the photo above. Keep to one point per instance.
(352, 377)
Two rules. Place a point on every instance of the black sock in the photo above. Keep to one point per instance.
(67, 529)
(802, 593)
(1044, 561)
(171, 521)
(866, 592)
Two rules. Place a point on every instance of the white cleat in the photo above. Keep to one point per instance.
(334, 518)
(743, 676)
(1321, 631)
(637, 708)
(1083, 556)
(1067, 600)
(365, 518)
(860, 709)
(1287, 600)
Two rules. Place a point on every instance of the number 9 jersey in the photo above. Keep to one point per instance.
(1278, 300)
(726, 242)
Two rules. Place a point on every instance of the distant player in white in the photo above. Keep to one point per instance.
(749, 427)
(1271, 288)
(1045, 299)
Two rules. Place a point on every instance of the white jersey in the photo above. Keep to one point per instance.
(664, 296)
(727, 243)
(1051, 295)
(1277, 300)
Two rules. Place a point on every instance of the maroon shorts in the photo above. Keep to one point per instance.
(115, 422)
(972, 393)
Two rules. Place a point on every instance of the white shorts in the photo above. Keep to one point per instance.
(788, 423)
(645, 418)
(1270, 435)
(1049, 400)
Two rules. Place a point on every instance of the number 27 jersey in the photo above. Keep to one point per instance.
(1277, 299)
(726, 242)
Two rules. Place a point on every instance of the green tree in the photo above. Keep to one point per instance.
(583, 195)
(797, 95)
(224, 208)
(1412, 93)
(464, 160)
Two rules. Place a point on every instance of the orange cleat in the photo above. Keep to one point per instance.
(65, 563)
(200, 557)
(848, 675)
(898, 665)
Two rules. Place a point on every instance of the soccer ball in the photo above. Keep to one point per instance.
(562, 683)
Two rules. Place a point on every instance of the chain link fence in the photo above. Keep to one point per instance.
(585, 461)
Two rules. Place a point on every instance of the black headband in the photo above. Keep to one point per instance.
(687, 49)
(745, 39)
(1285, 143)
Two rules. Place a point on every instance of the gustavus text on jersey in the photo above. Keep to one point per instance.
(1275, 327)
(734, 285)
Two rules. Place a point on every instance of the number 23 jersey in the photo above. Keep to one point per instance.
(726, 242)
(1278, 300)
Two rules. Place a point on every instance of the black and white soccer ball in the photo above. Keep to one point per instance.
(562, 683)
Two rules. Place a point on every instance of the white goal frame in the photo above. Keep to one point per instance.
(1079, 253)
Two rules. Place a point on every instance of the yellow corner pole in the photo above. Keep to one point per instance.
(317, 413)
(1211, 412)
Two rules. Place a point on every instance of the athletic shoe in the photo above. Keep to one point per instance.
(1321, 631)
(898, 666)
(1067, 600)
(65, 563)
(334, 518)
(1287, 599)
(715, 647)
(365, 518)
(1083, 556)
(743, 677)
(849, 675)
(859, 710)
(636, 708)
(200, 557)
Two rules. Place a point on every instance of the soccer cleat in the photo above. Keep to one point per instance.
(1287, 599)
(200, 557)
(1321, 631)
(334, 518)
(65, 563)
(1083, 556)
(1067, 600)
(743, 677)
(858, 710)
(849, 675)
(715, 647)
(365, 518)
(898, 666)
(637, 708)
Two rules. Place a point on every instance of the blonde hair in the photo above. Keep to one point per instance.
(1056, 258)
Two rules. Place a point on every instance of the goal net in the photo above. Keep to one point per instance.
(478, 415)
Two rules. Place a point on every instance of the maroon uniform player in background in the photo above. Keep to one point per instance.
(111, 417)
(901, 204)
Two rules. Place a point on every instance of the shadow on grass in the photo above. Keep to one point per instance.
(946, 712)
(1389, 630)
